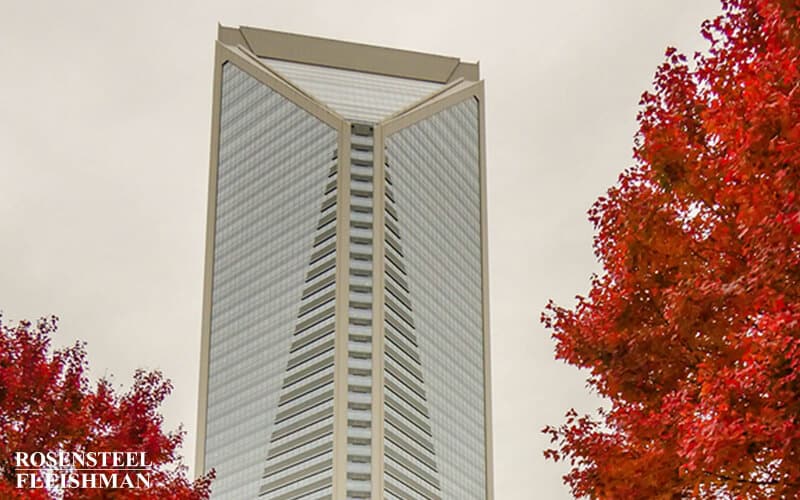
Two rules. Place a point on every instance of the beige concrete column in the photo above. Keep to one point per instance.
(342, 315)
(208, 273)
(378, 276)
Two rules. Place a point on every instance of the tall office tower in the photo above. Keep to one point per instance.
(345, 348)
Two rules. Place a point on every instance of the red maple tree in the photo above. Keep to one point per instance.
(48, 405)
(692, 330)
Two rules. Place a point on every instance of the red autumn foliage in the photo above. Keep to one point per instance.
(692, 331)
(48, 405)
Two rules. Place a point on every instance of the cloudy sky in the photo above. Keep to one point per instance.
(104, 131)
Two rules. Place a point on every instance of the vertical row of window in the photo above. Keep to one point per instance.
(359, 356)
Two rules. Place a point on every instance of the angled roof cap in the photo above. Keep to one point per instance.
(358, 82)
(348, 55)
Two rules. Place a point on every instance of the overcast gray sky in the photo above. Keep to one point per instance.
(105, 116)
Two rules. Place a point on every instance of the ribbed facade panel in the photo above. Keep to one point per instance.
(273, 168)
(410, 469)
(300, 459)
(435, 434)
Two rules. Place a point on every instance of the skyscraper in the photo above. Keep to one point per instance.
(345, 339)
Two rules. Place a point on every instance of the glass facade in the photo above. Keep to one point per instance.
(434, 188)
(355, 95)
(273, 169)
(409, 452)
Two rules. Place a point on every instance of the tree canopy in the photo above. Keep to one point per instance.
(692, 329)
(48, 405)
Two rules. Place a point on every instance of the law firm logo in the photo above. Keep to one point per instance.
(59, 470)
